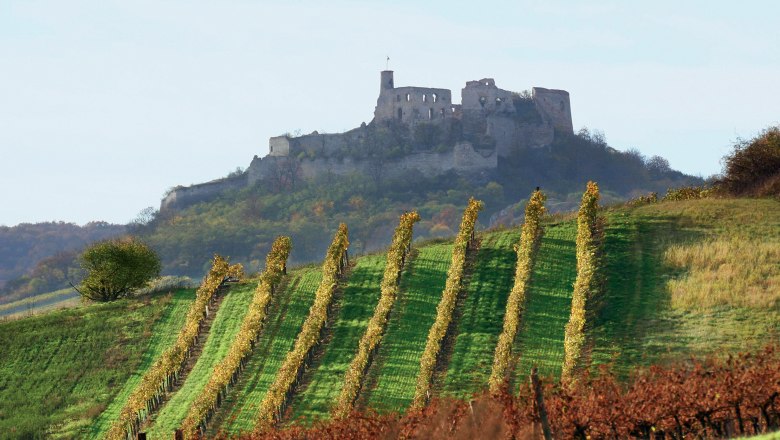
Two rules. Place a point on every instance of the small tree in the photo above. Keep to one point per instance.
(115, 268)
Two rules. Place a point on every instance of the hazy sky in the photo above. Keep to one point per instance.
(104, 104)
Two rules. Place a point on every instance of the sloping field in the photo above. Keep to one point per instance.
(226, 324)
(482, 314)
(59, 371)
(690, 277)
(163, 335)
(540, 340)
(326, 377)
(287, 312)
(390, 381)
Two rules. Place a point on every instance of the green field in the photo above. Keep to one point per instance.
(59, 371)
(390, 381)
(483, 313)
(287, 312)
(540, 339)
(223, 331)
(325, 379)
(682, 278)
(163, 335)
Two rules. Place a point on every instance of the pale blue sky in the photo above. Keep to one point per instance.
(106, 104)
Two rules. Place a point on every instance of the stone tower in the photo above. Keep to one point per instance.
(386, 81)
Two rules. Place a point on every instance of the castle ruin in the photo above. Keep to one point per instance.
(415, 129)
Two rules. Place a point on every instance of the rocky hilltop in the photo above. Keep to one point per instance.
(414, 130)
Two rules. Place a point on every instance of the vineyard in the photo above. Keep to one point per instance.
(401, 330)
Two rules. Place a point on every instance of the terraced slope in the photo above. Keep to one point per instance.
(59, 370)
(286, 314)
(482, 314)
(540, 340)
(226, 324)
(391, 378)
(326, 375)
(163, 335)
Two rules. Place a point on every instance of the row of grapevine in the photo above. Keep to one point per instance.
(161, 376)
(396, 257)
(530, 238)
(292, 369)
(589, 282)
(446, 306)
(226, 373)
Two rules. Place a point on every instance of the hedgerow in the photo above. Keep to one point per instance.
(291, 371)
(396, 257)
(226, 373)
(588, 285)
(161, 376)
(446, 306)
(526, 252)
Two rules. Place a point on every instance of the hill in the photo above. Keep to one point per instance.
(683, 278)
(243, 222)
(37, 258)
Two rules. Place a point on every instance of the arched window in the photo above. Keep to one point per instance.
(425, 97)
(435, 97)
(408, 97)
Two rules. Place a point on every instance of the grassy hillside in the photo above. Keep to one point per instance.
(61, 370)
(286, 314)
(163, 335)
(683, 278)
(226, 324)
(358, 299)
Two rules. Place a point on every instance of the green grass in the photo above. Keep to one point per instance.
(540, 339)
(60, 370)
(163, 335)
(223, 331)
(483, 314)
(639, 323)
(287, 312)
(360, 297)
(395, 367)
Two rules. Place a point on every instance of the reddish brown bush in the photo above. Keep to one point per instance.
(698, 399)
(753, 167)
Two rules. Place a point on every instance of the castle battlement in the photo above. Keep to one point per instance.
(435, 135)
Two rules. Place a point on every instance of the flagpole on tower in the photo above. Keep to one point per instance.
(387, 63)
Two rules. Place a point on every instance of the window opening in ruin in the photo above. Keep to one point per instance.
(272, 149)
(453, 109)
(400, 113)
(487, 83)
(425, 97)
(482, 101)
(441, 112)
(435, 97)
(430, 113)
(408, 97)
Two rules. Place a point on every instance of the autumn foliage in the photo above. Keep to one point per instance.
(738, 396)
(160, 377)
(226, 373)
(530, 238)
(446, 306)
(396, 258)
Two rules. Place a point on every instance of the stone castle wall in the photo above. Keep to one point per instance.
(486, 114)
(184, 196)
(463, 158)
